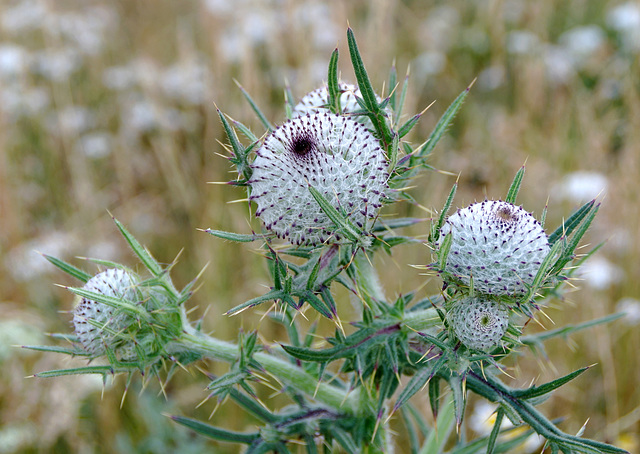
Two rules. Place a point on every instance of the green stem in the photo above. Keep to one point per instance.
(367, 278)
(284, 371)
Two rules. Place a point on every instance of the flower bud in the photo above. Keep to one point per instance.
(337, 156)
(100, 326)
(479, 324)
(498, 245)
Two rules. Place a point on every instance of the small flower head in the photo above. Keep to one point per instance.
(100, 326)
(479, 324)
(335, 155)
(496, 244)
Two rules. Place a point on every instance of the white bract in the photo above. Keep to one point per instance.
(479, 324)
(99, 325)
(497, 244)
(337, 156)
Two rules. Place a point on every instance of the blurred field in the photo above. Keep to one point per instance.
(110, 106)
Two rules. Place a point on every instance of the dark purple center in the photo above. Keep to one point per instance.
(302, 145)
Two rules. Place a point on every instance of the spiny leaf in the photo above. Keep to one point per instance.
(435, 231)
(345, 226)
(145, 257)
(54, 349)
(515, 187)
(536, 391)
(256, 109)
(237, 237)
(69, 269)
(443, 124)
(272, 295)
(567, 227)
(417, 382)
(333, 85)
(215, 432)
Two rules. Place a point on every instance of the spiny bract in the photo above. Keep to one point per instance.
(497, 244)
(479, 324)
(337, 156)
(98, 325)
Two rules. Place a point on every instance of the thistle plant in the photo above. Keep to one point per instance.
(318, 182)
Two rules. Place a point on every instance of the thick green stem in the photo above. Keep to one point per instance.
(282, 370)
(368, 282)
(286, 372)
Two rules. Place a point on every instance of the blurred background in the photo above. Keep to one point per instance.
(108, 106)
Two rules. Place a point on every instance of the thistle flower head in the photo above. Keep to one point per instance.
(99, 325)
(335, 155)
(318, 100)
(497, 244)
(479, 324)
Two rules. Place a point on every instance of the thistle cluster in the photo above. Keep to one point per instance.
(317, 183)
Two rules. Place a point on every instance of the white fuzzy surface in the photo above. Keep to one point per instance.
(498, 245)
(337, 156)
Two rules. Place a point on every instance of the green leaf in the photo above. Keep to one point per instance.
(515, 187)
(341, 222)
(54, 349)
(443, 252)
(102, 370)
(443, 124)
(69, 269)
(457, 385)
(236, 146)
(111, 301)
(256, 109)
(419, 380)
(393, 80)
(145, 257)
(215, 432)
(383, 225)
(403, 96)
(270, 296)
(344, 439)
(435, 230)
(408, 126)
(438, 437)
(570, 224)
(368, 94)
(491, 442)
(537, 391)
(333, 85)
(237, 237)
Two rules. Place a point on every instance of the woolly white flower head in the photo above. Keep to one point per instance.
(98, 325)
(317, 100)
(479, 324)
(497, 244)
(337, 156)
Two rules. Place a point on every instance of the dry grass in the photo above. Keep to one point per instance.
(161, 133)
